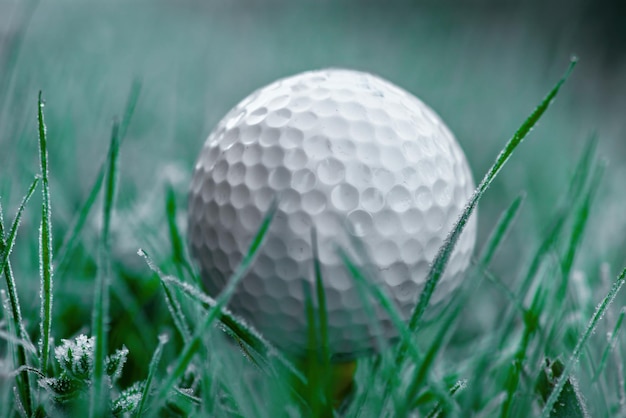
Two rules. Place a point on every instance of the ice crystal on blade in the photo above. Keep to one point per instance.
(76, 361)
(76, 357)
(128, 400)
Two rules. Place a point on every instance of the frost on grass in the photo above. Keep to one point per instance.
(76, 359)
(128, 400)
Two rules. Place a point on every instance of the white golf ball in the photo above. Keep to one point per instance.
(345, 152)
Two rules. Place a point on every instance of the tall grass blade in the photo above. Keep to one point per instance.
(610, 345)
(6, 246)
(500, 230)
(445, 251)
(319, 352)
(154, 364)
(384, 301)
(79, 222)
(45, 244)
(172, 303)
(575, 189)
(580, 222)
(322, 312)
(190, 348)
(390, 371)
(23, 382)
(580, 178)
(313, 390)
(100, 320)
(421, 372)
(514, 374)
(178, 248)
(242, 332)
(580, 345)
(129, 108)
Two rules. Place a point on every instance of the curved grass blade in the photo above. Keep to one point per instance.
(387, 370)
(6, 245)
(45, 244)
(581, 176)
(190, 348)
(445, 251)
(172, 303)
(575, 189)
(422, 370)
(24, 387)
(79, 222)
(243, 333)
(580, 222)
(154, 364)
(531, 326)
(580, 345)
(500, 230)
(100, 320)
(383, 300)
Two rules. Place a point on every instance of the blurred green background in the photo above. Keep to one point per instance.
(482, 65)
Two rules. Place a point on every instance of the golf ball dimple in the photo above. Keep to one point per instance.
(355, 158)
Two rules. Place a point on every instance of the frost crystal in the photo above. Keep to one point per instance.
(76, 357)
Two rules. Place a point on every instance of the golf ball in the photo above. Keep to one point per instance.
(352, 156)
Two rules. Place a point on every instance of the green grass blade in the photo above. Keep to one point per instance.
(421, 371)
(100, 320)
(322, 312)
(79, 222)
(243, 333)
(441, 260)
(154, 364)
(23, 384)
(580, 221)
(531, 326)
(317, 367)
(6, 246)
(500, 230)
(610, 345)
(593, 322)
(45, 251)
(570, 403)
(384, 301)
(129, 108)
(575, 189)
(178, 248)
(502, 287)
(390, 372)
(172, 303)
(582, 173)
(214, 312)
(313, 390)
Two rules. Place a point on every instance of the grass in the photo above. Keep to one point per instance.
(545, 355)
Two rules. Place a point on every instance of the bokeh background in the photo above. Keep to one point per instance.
(483, 65)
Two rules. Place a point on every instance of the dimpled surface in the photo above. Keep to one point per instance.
(346, 153)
